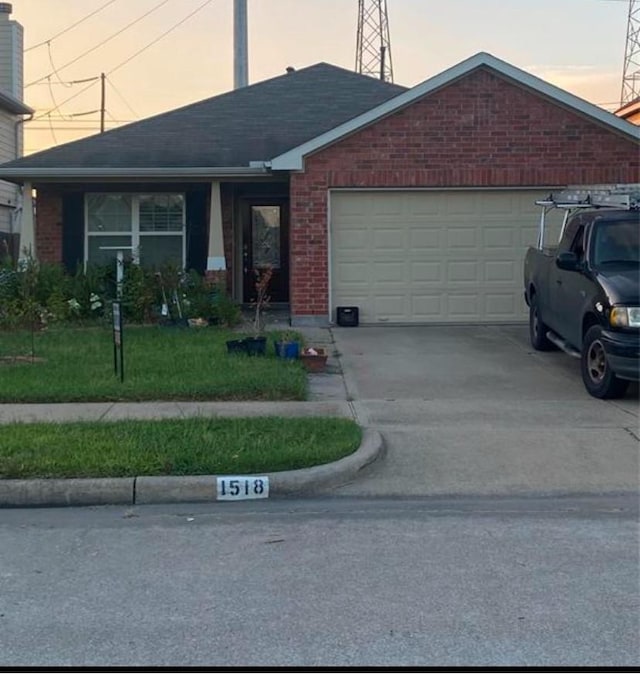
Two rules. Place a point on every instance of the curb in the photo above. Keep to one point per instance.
(181, 489)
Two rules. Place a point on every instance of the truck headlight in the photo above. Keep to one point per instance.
(625, 317)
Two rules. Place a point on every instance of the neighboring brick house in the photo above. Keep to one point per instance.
(630, 111)
(416, 205)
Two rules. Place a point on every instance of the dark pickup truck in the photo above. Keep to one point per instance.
(584, 296)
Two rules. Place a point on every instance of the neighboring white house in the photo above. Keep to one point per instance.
(12, 111)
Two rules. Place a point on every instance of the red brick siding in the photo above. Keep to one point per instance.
(481, 131)
(48, 226)
(226, 197)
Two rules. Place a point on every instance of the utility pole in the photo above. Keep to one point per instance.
(373, 43)
(102, 101)
(240, 49)
(631, 70)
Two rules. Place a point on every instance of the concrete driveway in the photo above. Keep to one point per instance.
(474, 410)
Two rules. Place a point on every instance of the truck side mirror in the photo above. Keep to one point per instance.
(568, 261)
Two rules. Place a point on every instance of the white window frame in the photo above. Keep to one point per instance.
(135, 232)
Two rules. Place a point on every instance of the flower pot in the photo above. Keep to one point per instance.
(290, 350)
(314, 362)
(237, 346)
(256, 346)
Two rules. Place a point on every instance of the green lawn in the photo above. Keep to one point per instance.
(195, 446)
(160, 364)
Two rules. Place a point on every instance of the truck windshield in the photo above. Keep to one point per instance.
(616, 242)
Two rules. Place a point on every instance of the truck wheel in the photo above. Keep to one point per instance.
(537, 329)
(598, 377)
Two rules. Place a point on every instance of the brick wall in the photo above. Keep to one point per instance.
(227, 199)
(48, 226)
(481, 131)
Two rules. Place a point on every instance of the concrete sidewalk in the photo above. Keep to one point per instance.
(51, 412)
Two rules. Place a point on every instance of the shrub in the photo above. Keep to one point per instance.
(37, 293)
(224, 310)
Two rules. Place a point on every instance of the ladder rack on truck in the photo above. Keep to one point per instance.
(626, 197)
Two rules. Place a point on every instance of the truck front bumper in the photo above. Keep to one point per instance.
(623, 353)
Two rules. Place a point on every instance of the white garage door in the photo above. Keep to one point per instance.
(432, 256)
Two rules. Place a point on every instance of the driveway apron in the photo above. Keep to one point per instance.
(473, 410)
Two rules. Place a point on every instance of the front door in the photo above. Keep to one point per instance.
(265, 243)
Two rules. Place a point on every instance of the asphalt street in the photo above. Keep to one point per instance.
(333, 581)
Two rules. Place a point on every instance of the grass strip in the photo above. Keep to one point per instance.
(194, 446)
(76, 364)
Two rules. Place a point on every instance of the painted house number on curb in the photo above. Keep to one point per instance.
(242, 487)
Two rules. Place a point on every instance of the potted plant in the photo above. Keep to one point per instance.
(287, 345)
(256, 345)
(314, 359)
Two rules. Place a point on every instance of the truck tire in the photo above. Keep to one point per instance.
(537, 329)
(599, 379)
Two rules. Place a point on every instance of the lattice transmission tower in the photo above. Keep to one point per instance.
(373, 44)
(631, 69)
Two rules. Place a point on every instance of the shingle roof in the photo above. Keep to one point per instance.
(250, 124)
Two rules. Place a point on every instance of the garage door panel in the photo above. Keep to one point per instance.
(497, 203)
(500, 270)
(347, 239)
(499, 237)
(499, 306)
(353, 272)
(463, 271)
(417, 206)
(463, 306)
(459, 203)
(391, 307)
(425, 238)
(427, 307)
(432, 256)
(389, 239)
(426, 271)
(462, 237)
(385, 273)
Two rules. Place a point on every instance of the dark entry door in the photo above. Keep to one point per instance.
(265, 243)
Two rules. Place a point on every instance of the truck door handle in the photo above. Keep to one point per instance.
(558, 281)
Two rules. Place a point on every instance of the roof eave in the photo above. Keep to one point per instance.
(293, 160)
(178, 173)
(14, 106)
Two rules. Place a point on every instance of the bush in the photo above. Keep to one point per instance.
(36, 294)
(225, 311)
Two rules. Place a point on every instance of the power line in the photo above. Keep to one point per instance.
(57, 107)
(53, 98)
(54, 68)
(100, 44)
(53, 133)
(122, 98)
(73, 25)
(176, 25)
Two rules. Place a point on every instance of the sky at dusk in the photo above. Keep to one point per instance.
(575, 44)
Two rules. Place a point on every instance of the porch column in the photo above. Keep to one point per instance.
(216, 264)
(27, 247)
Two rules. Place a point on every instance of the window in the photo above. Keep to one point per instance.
(578, 244)
(149, 228)
(616, 242)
